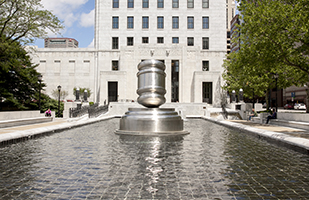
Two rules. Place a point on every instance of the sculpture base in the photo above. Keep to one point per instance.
(151, 121)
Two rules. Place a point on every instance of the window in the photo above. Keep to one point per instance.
(160, 40)
(190, 22)
(145, 22)
(160, 3)
(175, 3)
(205, 3)
(115, 43)
(130, 23)
(145, 3)
(115, 66)
(145, 40)
(190, 41)
(115, 22)
(130, 3)
(190, 3)
(205, 43)
(175, 22)
(205, 66)
(129, 41)
(160, 21)
(175, 40)
(115, 3)
(205, 22)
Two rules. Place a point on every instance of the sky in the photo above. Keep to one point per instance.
(77, 17)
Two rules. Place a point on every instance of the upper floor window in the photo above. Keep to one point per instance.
(175, 4)
(115, 43)
(205, 3)
(190, 3)
(145, 3)
(160, 3)
(175, 22)
(130, 23)
(205, 22)
(190, 22)
(129, 41)
(205, 42)
(145, 22)
(115, 3)
(175, 40)
(160, 40)
(190, 41)
(205, 66)
(115, 22)
(160, 22)
(130, 3)
(115, 65)
(145, 40)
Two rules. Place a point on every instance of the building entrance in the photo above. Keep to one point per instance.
(112, 91)
(207, 92)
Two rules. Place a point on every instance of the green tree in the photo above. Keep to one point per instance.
(63, 94)
(21, 21)
(25, 20)
(274, 39)
(19, 78)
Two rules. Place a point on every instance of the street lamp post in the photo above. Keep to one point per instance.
(40, 81)
(276, 77)
(59, 89)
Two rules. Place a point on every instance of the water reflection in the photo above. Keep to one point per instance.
(153, 156)
(91, 162)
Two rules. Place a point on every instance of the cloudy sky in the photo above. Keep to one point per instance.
(78, 18)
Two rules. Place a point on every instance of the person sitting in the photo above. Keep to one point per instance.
(253, 114)
(48, 113)
(273, 116)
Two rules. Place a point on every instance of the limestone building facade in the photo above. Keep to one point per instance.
(188, 36)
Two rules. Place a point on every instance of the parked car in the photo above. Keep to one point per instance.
(300, 106)
(288, 106)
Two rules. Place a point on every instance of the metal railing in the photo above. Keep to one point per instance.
(96, 111)
(93, 110)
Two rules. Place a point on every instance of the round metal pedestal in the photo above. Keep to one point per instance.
(151, 121)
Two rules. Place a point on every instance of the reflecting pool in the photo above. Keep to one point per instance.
(91, 162)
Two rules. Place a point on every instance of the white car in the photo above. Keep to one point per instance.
(300, 106)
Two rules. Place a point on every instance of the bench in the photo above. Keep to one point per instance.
(24, 121)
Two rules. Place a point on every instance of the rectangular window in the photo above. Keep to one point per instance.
(115, 43)
(205, 3)
(175, 3)
(175, 40)
(160, 40)
(129, 41)
(115, 3)
(145, 40)
(205, 42)
(160, 22)
(190, 3)
(160, 3)
(190, 41)
(115, 66)
(130, 23)
(115, 22)
(130, 3)
(190, 21)
(205, 22)
(205, 66)
(145, 3)
(175, 22)
(145, 22)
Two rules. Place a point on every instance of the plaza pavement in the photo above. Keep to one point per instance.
(297, 139)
